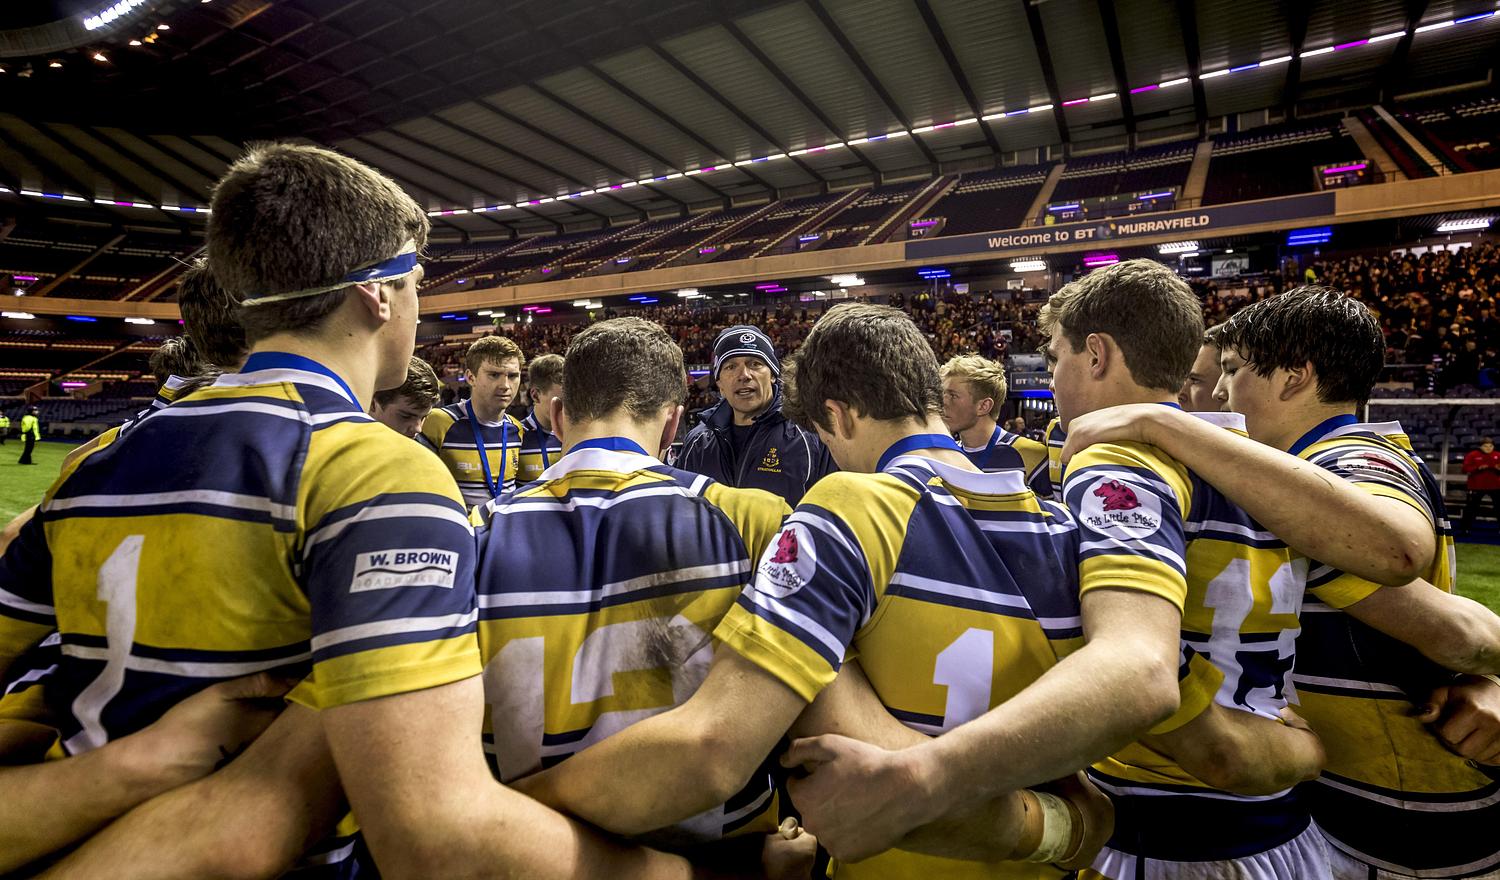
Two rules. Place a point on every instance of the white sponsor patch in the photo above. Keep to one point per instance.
(1370, 463)
(789, 562)
(412, 567)
(1116, 508)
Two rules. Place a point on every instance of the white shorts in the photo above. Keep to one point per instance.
(1304, 857)
(1347, 867)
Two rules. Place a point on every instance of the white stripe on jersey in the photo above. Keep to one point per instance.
(960, 591)
(184, 668)
(390, 511)
(30, 676)
(825, 527)
(330, 858)
(1239, 529)
(392, 627)
(1127, 476)
(578, 597)
(185, 496)
(513, 444)
(534, 503)
(813, 628)
(1134, 549)
(11, 600)
(1419, 806)
(1050, 526)
(1347, 683)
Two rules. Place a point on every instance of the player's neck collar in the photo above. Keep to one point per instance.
(1323, 429)
(281, 360)
(912, 443)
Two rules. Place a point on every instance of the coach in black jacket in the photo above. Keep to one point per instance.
(744, 440)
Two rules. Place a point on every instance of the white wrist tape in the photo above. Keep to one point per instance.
(1057, 828)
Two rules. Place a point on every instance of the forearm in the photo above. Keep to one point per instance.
(650, 775)
(1315, 512)
(252, 819)
(849, 707)
(977, 761)
(1452, 631)
(504, 834)
(47, 806)
(1241, 752)
(1476, 641)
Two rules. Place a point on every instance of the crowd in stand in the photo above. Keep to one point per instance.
(1439, 309)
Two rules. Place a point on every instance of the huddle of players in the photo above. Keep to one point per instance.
(945, 650)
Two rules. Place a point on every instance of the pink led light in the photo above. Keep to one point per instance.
(1078, 101)
(816, 149)
(1356, 167)
(944, 125)
(1144, 89)
(1350, 45)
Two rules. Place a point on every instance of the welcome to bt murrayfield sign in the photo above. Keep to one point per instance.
(1121, 229)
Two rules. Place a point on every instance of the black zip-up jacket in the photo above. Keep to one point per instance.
(778, 456)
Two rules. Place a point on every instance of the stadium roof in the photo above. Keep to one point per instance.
(589, 111)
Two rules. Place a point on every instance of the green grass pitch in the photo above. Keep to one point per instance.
(21, 487)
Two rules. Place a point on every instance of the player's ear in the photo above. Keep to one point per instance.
(559, 420)
(669, 430)
(1099, 347)
(1297, 380)
(375, 299)
(842, 417)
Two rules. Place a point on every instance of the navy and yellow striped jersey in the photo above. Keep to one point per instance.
(955, 589)
(292, 532)
(1391, 795)
(22, 695)
(599, 589)
(1012, 452)
(539, 449)
(1056, 437)
(1148, 523)
(451, 433)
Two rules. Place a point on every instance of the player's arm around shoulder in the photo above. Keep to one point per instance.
(1314, 513)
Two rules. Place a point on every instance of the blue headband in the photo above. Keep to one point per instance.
(398, 266)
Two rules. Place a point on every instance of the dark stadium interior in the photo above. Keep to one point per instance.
(945, 565)
(628, 142)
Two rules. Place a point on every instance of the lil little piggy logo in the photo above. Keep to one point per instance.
(1115, 508)
(1117, 496)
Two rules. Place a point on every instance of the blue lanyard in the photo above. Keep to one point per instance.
(914, 442)
(1327, 427)
(493, 486)
(616, 444)
(542, 444)
(280, 360)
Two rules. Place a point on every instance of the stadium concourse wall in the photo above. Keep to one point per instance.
(1458, 192)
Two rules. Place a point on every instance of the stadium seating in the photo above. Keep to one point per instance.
(1275, 161)
(1151, 168)
(865, 215)
(989, 200)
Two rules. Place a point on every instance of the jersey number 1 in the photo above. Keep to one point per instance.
(117, 583)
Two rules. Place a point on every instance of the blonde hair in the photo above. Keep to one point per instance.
(986, 378)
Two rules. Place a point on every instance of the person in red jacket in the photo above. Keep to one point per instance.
(1483, 467)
